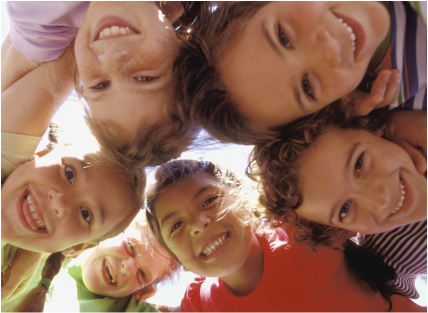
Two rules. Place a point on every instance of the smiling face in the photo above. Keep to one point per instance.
(358, 181)
(122, 265)
(294, 58)
(124, 53)
(55, 202)
(205, 243)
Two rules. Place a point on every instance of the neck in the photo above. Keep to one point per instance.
(246, 279)
(81, 258)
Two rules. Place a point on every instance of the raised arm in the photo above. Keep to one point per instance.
(32, 96)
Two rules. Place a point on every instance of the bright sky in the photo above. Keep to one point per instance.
(232, 156)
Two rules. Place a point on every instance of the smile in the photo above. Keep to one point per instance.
(351, 33)
(402, 198)
(32, 214)
(109, 273)
(215, 244)
(113, 27)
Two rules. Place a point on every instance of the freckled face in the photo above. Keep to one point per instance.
(358, 181)
(294, 57)
(191, 227)
(122, 265)
(127, 76)
(57, 201)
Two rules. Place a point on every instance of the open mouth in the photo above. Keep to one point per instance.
(355, 33)
(113, 27)
(212, 246)
(108, 270)
(32, 213)
(402, 198)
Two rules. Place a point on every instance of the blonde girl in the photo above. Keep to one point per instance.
(198, 212)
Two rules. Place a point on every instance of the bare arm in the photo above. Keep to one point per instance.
(29, 103)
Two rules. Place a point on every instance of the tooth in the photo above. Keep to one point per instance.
(349, 29)
(402, 198)
(107, 31)
(115, 30)
(217, 243)
(353, 37)
(340, 20)
(102, 35)
(213, 247)
(122, 31)
(353, 48)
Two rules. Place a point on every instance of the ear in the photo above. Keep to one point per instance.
(379, 133)
(74, 251)
(145, 292)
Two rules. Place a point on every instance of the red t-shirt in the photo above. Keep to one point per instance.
(295, 278)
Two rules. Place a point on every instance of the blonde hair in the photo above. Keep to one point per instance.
(175, 172)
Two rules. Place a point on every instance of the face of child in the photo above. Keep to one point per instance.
(294, 58)
(127, 76)
(205, 243)
(56, 202)
(358, 181)
(122, 265)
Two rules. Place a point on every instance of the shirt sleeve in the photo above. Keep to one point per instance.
(192, 297)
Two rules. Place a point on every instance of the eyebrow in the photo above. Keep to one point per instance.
(86, 177)
(347, 164)
(197, 194)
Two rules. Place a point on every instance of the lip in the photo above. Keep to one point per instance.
(407, 201)
(24, 215)
(108, 21)
(218, 251)
(358, 31)
(104, 275)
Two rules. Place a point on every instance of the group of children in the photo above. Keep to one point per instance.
(306, 83)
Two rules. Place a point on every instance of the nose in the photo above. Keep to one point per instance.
(198, 224)
(128, 267)
(329, 48)
(56, 202)
(376, 196)
(113, 60)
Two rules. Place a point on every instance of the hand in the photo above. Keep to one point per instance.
(165, 308)
(16, 277)
(410, 132)
(384, 92)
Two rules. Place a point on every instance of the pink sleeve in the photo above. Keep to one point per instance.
(192, 298)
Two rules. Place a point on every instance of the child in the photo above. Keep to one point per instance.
(71, 198)
(250, 67)
(338, 171)
(133, 260)
(122, 56)
(198, 212)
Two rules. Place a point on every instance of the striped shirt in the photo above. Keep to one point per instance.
(408, 53)
(405, 249)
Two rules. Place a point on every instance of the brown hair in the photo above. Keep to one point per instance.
(201, 92)
(275, 164)
(174, 172)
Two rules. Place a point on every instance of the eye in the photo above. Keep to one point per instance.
(210, 200)
(100, 86)
(145, 79)
(86, 215)
(343, 211)
(69, 173)
(283, 39)
(176, 225)
(307, 87)
(359, 164)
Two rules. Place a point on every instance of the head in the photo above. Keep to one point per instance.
(124, 53)
(198, 212)
(339, 171)
(244, 49)
(69, 198)
(129, 263)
